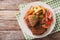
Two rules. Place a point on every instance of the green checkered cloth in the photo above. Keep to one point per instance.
(55, 5)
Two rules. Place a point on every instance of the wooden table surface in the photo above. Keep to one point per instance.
(9, 28)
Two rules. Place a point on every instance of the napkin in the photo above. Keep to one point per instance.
(55, 5)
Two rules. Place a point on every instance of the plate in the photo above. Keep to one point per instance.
(25, 28)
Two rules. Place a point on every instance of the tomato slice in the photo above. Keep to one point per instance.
(48, 14)
(48, 23)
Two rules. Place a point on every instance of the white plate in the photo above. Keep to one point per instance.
(25, 28)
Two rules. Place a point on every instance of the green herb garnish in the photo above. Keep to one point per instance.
(34, 18)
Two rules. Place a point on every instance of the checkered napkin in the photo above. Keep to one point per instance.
(55, 5)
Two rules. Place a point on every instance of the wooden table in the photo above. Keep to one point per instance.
(9, 28)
